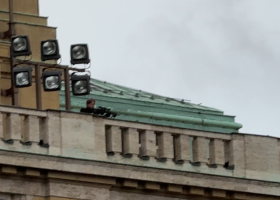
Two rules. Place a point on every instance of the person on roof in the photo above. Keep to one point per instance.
(90, 106)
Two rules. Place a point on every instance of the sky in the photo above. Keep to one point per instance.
(221, 53)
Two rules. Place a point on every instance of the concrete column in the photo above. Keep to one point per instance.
(200, 150)
(113, 140)
(148, 144)
(237, 155)
(182, 148)
(53, 123)
(165, 146)
(43, 130)
(217, 153)
(13, 127)
(31, 129)
(130, 137)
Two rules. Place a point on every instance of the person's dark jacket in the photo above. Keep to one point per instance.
(87, 110)
(101, 111)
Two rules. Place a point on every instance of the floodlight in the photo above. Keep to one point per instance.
(79, 54)
(80, 85)
(20, 46)
(49, 50)
(22, 77)
(51, 80)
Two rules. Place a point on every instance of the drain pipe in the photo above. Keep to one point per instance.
(14, 91)
(11, 18)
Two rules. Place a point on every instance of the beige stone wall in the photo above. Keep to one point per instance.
(27, 23)
(30, 7)
(85, 157)
(24, 18)
(149, 153)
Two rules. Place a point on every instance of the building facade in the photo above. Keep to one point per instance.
(66, 155)
(158, 148)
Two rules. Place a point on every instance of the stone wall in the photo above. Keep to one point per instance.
(28, 7)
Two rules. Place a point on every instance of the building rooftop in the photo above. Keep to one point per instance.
(146, 107)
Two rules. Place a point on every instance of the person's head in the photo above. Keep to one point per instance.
(90, 103)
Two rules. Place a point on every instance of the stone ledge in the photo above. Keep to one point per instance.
(16, 110)
(91, 168)
(51, 179)
(24, 18)
(29, 24)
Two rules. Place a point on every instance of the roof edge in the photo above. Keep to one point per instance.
(176, 118)
(190, 120)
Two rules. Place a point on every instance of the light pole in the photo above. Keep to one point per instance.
(7, 35)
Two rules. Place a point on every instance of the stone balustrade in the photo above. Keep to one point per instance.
(81, 136)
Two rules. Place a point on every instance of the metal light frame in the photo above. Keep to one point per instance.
(37, 66)
(13, 92)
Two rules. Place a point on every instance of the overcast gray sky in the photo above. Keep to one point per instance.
(221, 53)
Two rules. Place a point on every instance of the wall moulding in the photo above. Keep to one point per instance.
(115, 175)
(45, 178)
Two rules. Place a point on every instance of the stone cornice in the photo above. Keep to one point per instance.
(133, 177)
(25, 18)
(30, 24)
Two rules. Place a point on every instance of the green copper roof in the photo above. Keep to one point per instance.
(145, 107)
